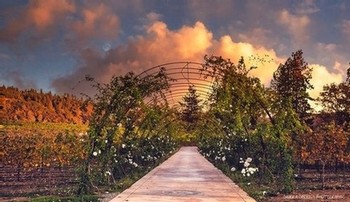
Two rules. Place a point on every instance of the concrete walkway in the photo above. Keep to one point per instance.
(185, 176)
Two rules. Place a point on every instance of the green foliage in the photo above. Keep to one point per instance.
(191, 109)
(255, 126)
(125, 134)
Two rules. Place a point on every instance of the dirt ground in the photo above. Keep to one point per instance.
(37, 182)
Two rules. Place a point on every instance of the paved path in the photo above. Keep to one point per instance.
(185, 176)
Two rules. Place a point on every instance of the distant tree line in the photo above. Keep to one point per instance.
(37, 106)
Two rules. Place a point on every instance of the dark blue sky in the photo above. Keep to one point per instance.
(52, 44)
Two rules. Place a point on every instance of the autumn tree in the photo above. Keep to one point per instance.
(326, 144)
(291, 81)
(335, 99)
(191, 108)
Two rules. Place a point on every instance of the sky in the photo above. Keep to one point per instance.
(53, 44)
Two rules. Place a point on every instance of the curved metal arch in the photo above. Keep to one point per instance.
(182, 75)
(182, 90)
(158, 129)
(158, 67)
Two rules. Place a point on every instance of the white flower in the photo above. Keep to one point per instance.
(223, 158)
(249, 160)
(243, 171)
(123, 145)
(108, 173)
(233, 169)
(264, 193)
(94, 153)
(251, 170)
(248, 174)
(106, 141)
(246, 164)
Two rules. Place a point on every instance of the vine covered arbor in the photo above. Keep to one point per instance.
(240, 125)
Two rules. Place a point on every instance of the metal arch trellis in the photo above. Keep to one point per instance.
(182, 75)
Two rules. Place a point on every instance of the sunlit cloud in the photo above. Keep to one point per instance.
(97, 21)
(38, 16)
(266, 60)
(322, 76)
(159, 45)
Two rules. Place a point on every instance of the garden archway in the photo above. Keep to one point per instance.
(182, 75)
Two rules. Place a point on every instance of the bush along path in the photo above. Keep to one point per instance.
(126, 136)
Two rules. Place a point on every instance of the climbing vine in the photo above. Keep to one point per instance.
(124, 133)
(255, 125)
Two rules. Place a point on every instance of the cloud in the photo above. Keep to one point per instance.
(305, 7)
(38, 16)
(330, 47)
(295, 24)
(335, 61)
(16, 79)
(257, 36)
(208, 10)
(159, 45)
(266, 60)
(96, 21)
(80, 25)
(322, 76)
(346, 28)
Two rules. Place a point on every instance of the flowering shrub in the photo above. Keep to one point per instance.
(126, 135)
(135, 154)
